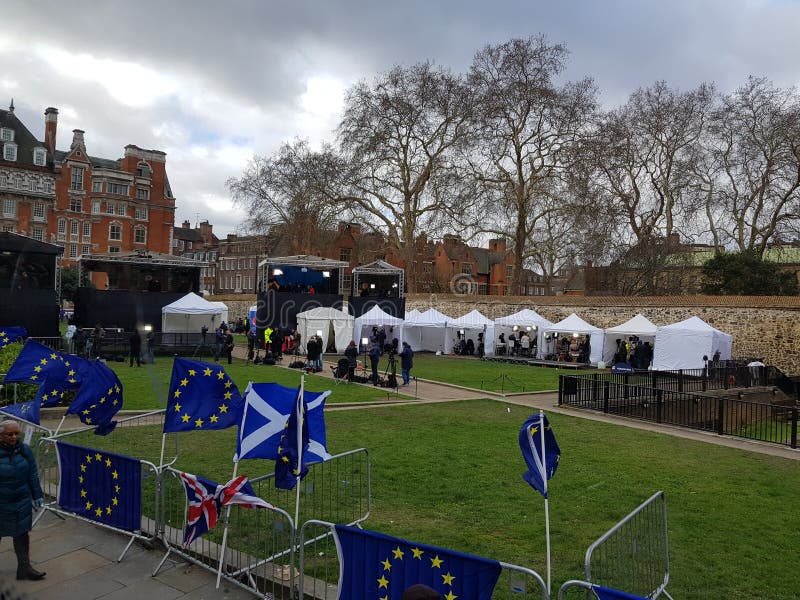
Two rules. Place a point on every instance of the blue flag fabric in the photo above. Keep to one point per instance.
(530, 442)
(100, 486)
(9, 335)
(98, 399)
(26, 411)
(35, 362)
(374, 565)
(266, 413)
(293, 446)
(604, 593)
(201, 396)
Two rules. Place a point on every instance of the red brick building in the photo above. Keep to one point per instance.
(86, 204)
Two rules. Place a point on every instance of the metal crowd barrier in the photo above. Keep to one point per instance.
(259, 552)
(633, 556)
(320, 560)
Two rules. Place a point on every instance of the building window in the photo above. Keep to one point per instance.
(87, 229)
(86, 249)
(76, 181)
(75, 204)
(39, 157)
(114, 249)
(115, 232)
(73, 251)
(117, 188)
(466, 268)
(38, 234)
(143, 170)
(38, 211)
(140, 213)
(97, 187)
(9, 208)
(96, 207)
(427, 267)
(62, 229)
(142, 194)
(6, 134)
(509, 272)
(345, 254)
(9, 152)
(73, 231)
(139, 235)
(121, 210)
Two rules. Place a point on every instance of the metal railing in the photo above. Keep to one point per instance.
(633, 556)
(320, 569)
(722, 414)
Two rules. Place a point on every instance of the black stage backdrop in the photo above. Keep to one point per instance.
(121, 308)
(279, 309)
(35, 310)
(394, 306)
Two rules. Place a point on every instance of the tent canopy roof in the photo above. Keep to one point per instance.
(378, 267)
(524, 317)
(325, 312)
(377, 316)
(192, 304)
(430, 317)
(638, 325)
(690, 324)
(472, 318)
(574, 324)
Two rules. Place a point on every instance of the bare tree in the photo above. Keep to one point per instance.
(286, 192)
(644, 153)
(527, 126)
(753, 169)
(397, 138)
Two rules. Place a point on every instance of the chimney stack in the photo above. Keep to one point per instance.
(186, 225)
(50, 127)
(77, 140)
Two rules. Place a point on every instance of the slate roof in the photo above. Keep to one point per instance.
(97, 163)
(23, 138)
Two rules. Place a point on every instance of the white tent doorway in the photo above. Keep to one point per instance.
(639, 326)
(574, 327)
(334, 326)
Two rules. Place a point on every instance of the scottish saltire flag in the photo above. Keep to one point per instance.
(374, 565)
(266, 412)
(604, 593)
(530, 442)
(98, 399)
(9, 335)
(100, 486)
(207, 497)
(291, 465)
(201, 396)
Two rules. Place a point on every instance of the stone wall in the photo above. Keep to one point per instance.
(767, 327)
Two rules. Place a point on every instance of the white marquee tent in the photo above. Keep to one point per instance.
(224, 315)
(375, 317)
(428, 331)
(472, 324)
(682, 345)
(325, 319)
(189, 314)
(639, 326)
(412, 314)
(574, 324)
(523, 319)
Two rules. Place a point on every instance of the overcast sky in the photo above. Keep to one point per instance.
(212, 83)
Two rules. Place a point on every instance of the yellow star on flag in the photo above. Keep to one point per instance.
(177, 407)
(177, 393)
(448, 579)
(387, 565)
(450, 596)
(184, 382)
(417, 552)
(192, 372)
(398, 553)
(198, 423)
(185, 418)
(436, 562)
(383, 582)
(223, 408)
(207, 372)
(220, 375)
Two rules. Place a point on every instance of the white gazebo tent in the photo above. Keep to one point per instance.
(640, 326)
(224, 315)
(683, 345)
(412, 314)
(471, 324)
(428, 332)
(325, 319)
(523, 319)
(189, 314)
(574, 324)
(375, 317)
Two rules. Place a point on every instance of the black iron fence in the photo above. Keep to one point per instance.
(648, 400)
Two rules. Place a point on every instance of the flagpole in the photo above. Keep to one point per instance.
(163, 443)
(63, 418)
(299, 451)
(546, 506)
(225, 530)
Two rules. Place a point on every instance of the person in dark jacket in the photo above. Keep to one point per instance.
(374, 359)
(312, 352)
(351, 354)
(135, 342)
(227, 348)
(406, 362)
(19, 493)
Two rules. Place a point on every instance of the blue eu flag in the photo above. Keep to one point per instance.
(290, 464)
(99, 398)
(374, 565)
(26, 411)
(9, 335)
(201, 396)
(35, 362)
(100, 486)
(530, 442)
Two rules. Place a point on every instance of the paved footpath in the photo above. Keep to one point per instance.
(80, 559)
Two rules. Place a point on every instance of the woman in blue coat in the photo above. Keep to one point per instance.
(19, 492)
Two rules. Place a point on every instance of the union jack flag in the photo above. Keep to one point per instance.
(207, 497)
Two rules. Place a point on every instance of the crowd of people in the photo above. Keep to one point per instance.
(633, 352)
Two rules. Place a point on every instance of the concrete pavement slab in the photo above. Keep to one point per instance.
(85, 588)
(64, 568)
(145, 588)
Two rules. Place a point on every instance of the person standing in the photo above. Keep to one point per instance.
(20, 491)
(311, 354)
(320, 352)
(251, 343)
(406, 362)
(374, 359)
(70, 335)
(219, 342)
(97, 339)
(351, 354)
(135, 342)
(228, 346)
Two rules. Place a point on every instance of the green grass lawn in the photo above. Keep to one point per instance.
(450, 475)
